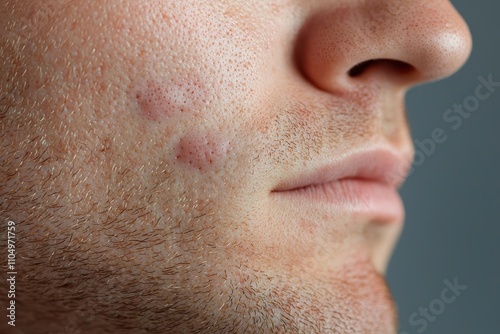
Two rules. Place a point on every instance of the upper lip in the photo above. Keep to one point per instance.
(383, 166)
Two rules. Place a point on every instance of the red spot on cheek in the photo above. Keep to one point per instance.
(203, 152)
(308, 226)
(163, 99)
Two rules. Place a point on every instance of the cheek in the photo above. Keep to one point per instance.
(160, 100)
(202, 152)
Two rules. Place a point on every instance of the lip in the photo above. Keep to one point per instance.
(365, 183)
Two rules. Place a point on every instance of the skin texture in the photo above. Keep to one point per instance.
(140, 142)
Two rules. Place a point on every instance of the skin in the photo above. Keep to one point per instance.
(140, 142)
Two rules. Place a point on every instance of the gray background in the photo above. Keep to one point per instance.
(453, 199)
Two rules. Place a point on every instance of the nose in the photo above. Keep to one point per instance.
(406, 42)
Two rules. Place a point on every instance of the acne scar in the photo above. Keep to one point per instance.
(163, 99)
(202, 152)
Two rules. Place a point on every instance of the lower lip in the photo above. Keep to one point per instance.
(378, 201)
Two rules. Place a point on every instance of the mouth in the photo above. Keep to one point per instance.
(364, 184)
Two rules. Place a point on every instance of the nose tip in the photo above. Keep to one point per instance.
(437, 41)
(412, 41)
(447, 51)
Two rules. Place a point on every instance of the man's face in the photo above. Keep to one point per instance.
(211, 166)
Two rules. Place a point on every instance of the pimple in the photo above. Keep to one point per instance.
(203, 152)
(160, 100)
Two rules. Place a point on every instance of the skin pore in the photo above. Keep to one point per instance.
(141, 143)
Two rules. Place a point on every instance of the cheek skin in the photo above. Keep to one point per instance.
(177, 101)
(204, 152)
(161, 100)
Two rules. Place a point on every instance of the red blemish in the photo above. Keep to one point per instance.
(203, 152)
(162, 99)
(305, 112)
(308, 226)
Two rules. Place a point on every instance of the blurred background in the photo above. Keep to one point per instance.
(452, 231)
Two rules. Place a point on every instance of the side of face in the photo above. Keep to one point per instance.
(141, 143)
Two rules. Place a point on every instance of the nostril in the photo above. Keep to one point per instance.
(396, 66)
(360, 68)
